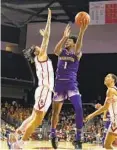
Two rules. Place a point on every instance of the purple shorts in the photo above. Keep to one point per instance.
(65, 89)
(106, 125)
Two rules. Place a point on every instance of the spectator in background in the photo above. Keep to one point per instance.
(67, 122)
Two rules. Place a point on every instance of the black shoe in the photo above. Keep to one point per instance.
(77, 145)
(54, 141)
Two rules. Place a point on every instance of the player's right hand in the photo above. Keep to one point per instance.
(97, 106)
(67, 31)
(83, 27)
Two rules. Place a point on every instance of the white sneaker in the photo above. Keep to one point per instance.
(15, 146)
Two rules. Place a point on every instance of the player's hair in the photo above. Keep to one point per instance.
(114, 77)
(74, 38)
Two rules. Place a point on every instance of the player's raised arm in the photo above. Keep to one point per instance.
(79, 41)
(46, 34)
(60, 44)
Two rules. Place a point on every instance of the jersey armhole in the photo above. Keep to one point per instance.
(115, 88)
(79, 55)
(60, 52)
(42, 60)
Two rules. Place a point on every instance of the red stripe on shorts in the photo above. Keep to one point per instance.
(40, 97)
(42, 72)
(40, 107)
(113, 129)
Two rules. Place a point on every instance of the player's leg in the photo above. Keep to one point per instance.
(56, 108)
(24, 124)
(12, 138)
(32, 125)
(29, 119)
(36, 121)
(115, 142)
(77, 104)
(41, 106)
(110, 138)
(43, 102)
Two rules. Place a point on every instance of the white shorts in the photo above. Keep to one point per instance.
(43, 98)
(112, 129)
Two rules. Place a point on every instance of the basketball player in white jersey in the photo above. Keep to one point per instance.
(43, 93)
(111, 106)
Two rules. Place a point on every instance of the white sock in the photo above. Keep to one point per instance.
(20, 143)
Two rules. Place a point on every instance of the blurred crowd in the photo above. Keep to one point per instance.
(14, 114)
(93, 131)
(5, 129)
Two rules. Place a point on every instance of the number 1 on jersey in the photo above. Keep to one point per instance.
(65, 66)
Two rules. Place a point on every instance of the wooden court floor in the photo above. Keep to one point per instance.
(46, 145)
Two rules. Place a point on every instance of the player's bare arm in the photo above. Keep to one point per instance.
(78, 45)
(98, 112)
(60, 44)
(110, 93)
(97, 106)
(46, 35)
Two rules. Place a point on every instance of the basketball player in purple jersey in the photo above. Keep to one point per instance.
(66, 81)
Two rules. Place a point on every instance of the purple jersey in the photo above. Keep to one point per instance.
(67, 67)
(107, 123)
(108, 116)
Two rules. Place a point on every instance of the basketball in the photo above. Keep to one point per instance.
(82, 18)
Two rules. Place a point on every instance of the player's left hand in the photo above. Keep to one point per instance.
(89, 117)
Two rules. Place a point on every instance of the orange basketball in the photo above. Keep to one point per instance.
(82, 18)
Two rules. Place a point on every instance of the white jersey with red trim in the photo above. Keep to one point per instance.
(45, 73)
(113, 109)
